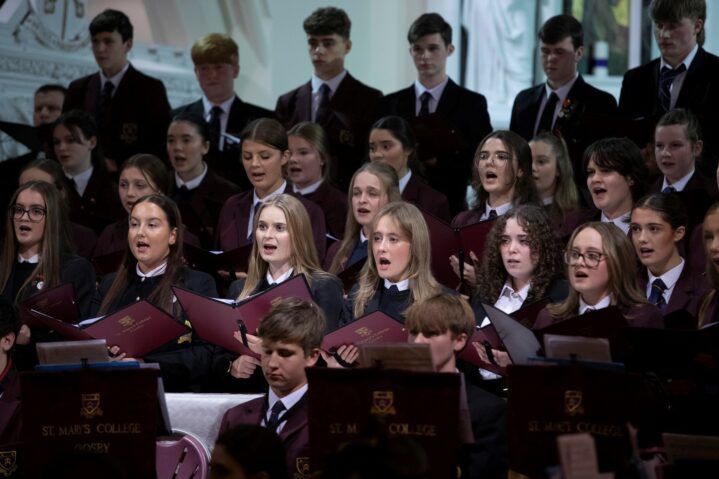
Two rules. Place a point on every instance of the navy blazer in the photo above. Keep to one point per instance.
(227, 162)
(590, 119)
(427, 198)
(138, 115)
(201, 213)
(232, 224)
(351, 112)
(466, 112)
(294, 434)
(639, 98)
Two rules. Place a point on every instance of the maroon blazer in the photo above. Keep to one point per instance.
(697, 256)
(294, 435)
(232, 225)
(331, 253)
(351, 112)
(643, 316)
(114, 238)
(10, 417)
(99, 205)
(201, 213)
(334, 205)
(421, 194)
(468, 217)
(687, 293)
(696, 182)
(84, 240)
(137, 119)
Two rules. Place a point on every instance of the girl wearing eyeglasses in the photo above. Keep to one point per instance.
(601, 268)
(503, 179)
(658, 226)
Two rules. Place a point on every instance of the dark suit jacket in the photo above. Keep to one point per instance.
(227, 162)
(420, 194)
(592, 112)
(334, 204)
(137, 118)
(200, 215)
(10, 417)
(639, 99)
(75, 270)
(351, 112)
(294, 435)
(99, 205)
(466, 113)
(644, 316)
(232, 225)
(687, 293)
(487, 457)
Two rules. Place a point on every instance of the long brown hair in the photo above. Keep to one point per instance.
(390, 186)
(55, 241)
(421, 281)
(492, 274)
(162, 296)
(621, 261)
(566, 196)
(303, 254)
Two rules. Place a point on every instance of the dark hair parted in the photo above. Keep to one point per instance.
(676, 10)
(400, 129)
(162, 296)
(201, 126)
(623, 156)
(55, 241)
(685, 118)
(543, 245)
(669, 207)
(51, 87)
(328, 21)
(560, 27)
(429, 24)
(621, 262)
(524, 189)
(110, 21)
(258, 450)
(267, 131)
(294, 320)
(389, 184)
(438, 314)
(152, 169)
(82, 127)
(315, 135)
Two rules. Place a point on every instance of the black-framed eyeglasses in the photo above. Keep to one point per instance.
(591, 258)
(34, 214)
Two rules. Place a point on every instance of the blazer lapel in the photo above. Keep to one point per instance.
(304, 103)
(448, 101)
(296, 418)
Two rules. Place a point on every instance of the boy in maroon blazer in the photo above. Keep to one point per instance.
(291, 335)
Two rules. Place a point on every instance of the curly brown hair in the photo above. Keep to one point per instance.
(542, 243)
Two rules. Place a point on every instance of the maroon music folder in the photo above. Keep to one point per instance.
(253, 309)
(38, 319)
(485, 337)
(214, 321)
(209, 261)
(447, 240)
(372, 328)
(136, 330)
(58, 302)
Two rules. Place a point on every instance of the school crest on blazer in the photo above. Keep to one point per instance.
(8, 463)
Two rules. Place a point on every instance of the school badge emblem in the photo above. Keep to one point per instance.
(302, 466)
(126, 322)
(346, 138)
(129, 133)
(573, 402)
(8, 463)
(383, 403)
(363, 331)
(90, 405)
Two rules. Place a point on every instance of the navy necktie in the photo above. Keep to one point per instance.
(656, 297)
(323, 105)
(215, 126)
(275, 412)
(589, 310)
(666, 78)
(424, 107)
(492, 214)
(669, 189)
(393, 289)
(545, 123)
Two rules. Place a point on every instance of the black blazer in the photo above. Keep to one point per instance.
(466, 112)
(227, 162)
(592, 111)
(75, 270)
(639, 98)
(351, 111)
(137, 118)
(487, 457)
